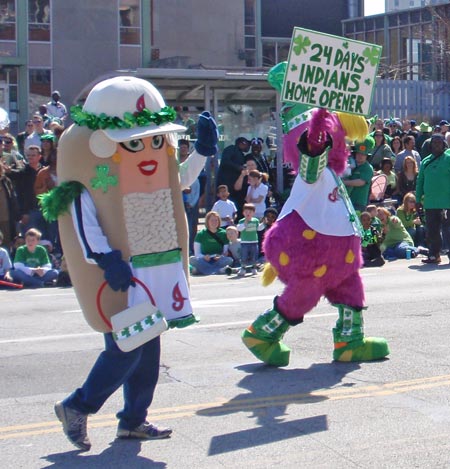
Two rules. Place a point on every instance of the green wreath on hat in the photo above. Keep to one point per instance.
(102, 121)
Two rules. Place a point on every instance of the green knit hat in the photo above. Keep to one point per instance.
(365, 147)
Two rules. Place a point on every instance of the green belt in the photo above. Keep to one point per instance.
(156, 259)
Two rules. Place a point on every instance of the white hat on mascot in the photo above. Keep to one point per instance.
(120, 95)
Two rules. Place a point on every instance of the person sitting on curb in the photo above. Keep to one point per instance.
(210, 248)
(32, 266)
(397, 241)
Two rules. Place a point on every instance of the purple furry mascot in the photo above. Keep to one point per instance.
(314, 248)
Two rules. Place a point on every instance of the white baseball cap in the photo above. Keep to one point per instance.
(119, 95)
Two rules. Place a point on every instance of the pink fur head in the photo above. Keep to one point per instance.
(322, 123)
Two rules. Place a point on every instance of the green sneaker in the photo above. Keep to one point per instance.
(370, 348)
(350, 345)
(263, 338)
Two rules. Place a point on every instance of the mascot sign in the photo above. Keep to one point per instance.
(331, 72)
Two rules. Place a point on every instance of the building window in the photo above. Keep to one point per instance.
(40, 87)
(250, 33)
(7, 20)
(130, 22)
(39, 20)
(274, 51)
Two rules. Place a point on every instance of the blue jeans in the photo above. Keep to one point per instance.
(33, 281)
(399, 250)
(137, 371)
(417, 234)
(249, 254)
(210, 267)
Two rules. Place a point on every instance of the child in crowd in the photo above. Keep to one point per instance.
(234, 248)
(63, 275)
(370, 242)
(32, 265)
(249, 227)
(257, 193)
(270, 216)
(375, 221)
(224, 207)
(18, 241)
(5, 261)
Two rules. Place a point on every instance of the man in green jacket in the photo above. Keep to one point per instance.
(433, 191)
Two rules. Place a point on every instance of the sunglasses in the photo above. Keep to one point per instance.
(7, 142)
(36, 122)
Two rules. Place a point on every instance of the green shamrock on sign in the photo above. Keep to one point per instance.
(301, 44)
(103, 179)
(368, 81)
(371, 55)
(294, 68)
(345, 45)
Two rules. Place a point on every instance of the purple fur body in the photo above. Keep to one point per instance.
(312, 265)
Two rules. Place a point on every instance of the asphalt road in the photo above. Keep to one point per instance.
(226, 409)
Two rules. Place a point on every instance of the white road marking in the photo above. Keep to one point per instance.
(83, 335)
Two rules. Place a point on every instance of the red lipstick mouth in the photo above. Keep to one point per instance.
(147, 168)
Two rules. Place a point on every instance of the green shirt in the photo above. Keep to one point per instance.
(249, 232)
(377, 224)
(396, 233)
(407, 219)
(208, 244)
(433, 182)
(359, 195)
(38, 258)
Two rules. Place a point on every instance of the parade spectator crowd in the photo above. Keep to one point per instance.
(399, 182)
(407, 217)
(31, 254)
(402, 154)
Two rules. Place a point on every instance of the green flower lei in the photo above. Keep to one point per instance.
(57, 201)
(138, 119)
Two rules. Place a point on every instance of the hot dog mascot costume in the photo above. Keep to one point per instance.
(314, 247)
(124, 235)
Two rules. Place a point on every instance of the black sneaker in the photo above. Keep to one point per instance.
(377, 262)
(74, 425)
(145, 431)
(432, 260)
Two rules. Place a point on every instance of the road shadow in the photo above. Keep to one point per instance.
(120, 453)
(429, 267)
(272, 390)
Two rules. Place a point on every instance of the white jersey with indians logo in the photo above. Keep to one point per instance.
(327, 215)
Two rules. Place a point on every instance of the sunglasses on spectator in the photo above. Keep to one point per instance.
(7, 141)
(37, 121)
